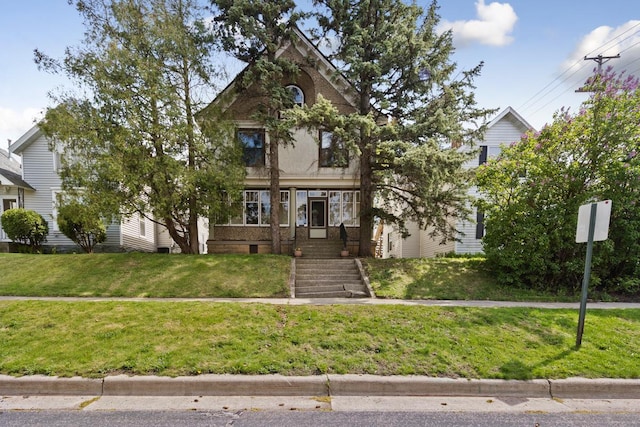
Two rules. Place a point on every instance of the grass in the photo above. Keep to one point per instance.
(93, 339)
(145, 275)
(235, 276)
(446, 279)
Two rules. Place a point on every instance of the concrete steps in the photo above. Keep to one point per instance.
(328, 278)
(320, 248)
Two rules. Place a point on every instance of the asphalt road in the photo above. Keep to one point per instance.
(300, 419)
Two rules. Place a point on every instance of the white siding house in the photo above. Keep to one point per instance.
(505, 128)
(39, 173)
(12, 189)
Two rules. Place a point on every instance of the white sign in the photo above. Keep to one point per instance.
(603, 214)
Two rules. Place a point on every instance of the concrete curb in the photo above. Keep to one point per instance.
(216, 385)
(583, 388)
(41, 385)
(372, 385)
(322, 385)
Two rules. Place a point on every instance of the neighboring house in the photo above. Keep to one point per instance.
(12, 189)
(40, 183)
(505, 128)
(319, 181)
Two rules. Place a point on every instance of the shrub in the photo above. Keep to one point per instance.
(533, 190)
(26, 227)
(82, 224)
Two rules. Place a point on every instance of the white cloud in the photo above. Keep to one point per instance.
(606, 41)
(494, 24)
(15, 123)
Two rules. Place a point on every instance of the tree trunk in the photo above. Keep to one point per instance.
(367, 149)
(194, 238)
(182, 241)
(366, 203)
(274, 195)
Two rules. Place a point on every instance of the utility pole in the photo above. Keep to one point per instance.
(600, 59)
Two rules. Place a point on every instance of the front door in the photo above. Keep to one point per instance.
(6, 205)
(318, 223)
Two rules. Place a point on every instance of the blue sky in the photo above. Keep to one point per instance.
(532, 50)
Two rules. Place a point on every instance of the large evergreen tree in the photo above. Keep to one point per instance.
(130, 134)
(413, 112)
(253, 31)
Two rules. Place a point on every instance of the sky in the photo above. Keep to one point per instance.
(533, 52)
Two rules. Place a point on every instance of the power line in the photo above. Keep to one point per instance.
(629, 47)
(559, 78)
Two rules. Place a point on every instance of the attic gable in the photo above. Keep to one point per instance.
(510, 113)
(26, 140)
(317, 76)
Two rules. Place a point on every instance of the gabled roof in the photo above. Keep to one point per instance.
(13, 179)
(25, 140)
(303, 45)
(9, 163)
(510, 111)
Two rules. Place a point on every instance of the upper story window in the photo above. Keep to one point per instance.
(252, 141)
(298, 95)
(333, 153)
(488, 152)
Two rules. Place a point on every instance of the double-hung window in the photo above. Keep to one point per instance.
(253, 146)
(333, 153)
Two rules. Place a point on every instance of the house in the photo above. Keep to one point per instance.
(319, 182)
(35, 185)
(12, 189)
(507, 127)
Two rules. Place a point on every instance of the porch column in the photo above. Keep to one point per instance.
(292, 212)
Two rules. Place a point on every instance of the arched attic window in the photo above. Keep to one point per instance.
(298, 95)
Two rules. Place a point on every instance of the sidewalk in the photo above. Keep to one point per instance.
(353, 301)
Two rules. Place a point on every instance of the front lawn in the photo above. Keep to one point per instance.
(145, 275)
(94, 339)
(445, 279)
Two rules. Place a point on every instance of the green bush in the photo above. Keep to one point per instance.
(26, 227)
(533, 190)
(82, 224)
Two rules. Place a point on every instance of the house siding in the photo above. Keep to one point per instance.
(164, 240)
(430, 247)
(38, 169)
(506, 130)
(131, 237)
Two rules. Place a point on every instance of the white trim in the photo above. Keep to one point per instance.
(514, 113)
(25, 140)
(54, 209)
(300, 91)
(3, 236)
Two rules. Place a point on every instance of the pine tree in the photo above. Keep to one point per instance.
(413, 112)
